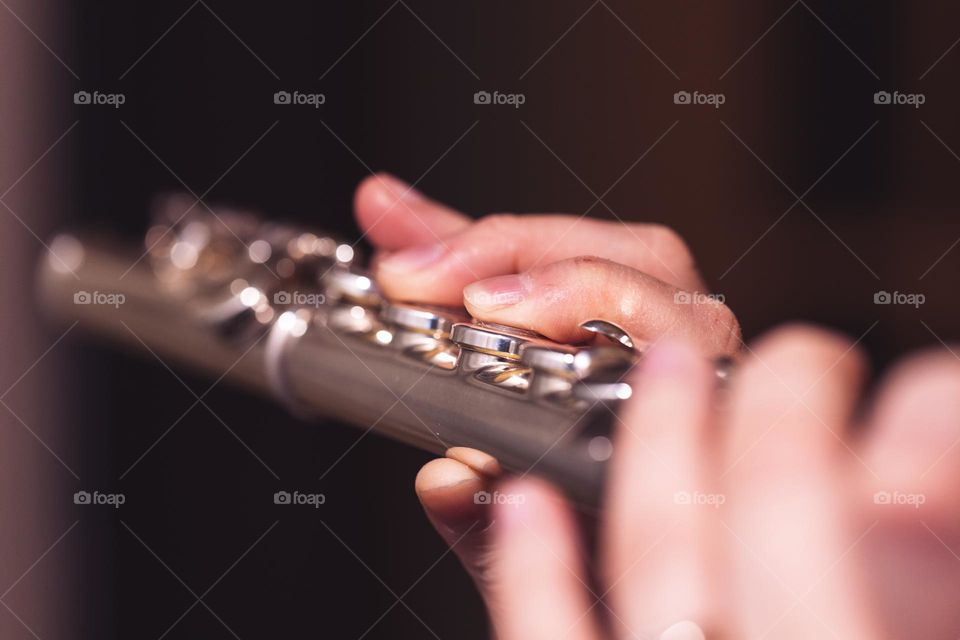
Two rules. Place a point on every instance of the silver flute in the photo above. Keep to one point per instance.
(291, 313)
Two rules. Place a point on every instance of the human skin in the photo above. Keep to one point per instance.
(772, 508)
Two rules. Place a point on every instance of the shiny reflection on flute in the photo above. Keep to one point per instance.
(292, 313)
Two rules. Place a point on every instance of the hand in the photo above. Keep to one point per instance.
(782, 516)
(547, 273)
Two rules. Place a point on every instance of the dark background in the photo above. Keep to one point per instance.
(399, 79)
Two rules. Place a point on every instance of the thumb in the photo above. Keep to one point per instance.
(452, 491)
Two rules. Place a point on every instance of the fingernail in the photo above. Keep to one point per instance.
(398, 189)
(477, 460)
(497, 293)
(413, 259)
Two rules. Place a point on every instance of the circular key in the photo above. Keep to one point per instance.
(492, 339)
(354, 286)
(433, 321)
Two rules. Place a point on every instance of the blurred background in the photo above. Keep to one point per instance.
(826, 177)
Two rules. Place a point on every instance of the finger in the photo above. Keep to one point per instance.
(661, 508)
(912, 449)
(795, 548)
(448, 490)
(479, 461)
(394, 215)
(912, 445)
(504, 244)
(555, 299)
(541, 588)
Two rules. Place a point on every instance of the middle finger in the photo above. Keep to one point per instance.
(505, 244)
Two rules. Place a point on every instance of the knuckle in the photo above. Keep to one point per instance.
(666, 242)
(723, 322)
(589, 262)
(587, 270)
(498, 223)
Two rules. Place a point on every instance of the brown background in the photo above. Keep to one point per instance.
(599, 80)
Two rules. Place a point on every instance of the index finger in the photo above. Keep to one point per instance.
(504, 244)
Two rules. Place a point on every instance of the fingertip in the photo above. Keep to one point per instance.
(674, 385)
(368, 196)
(394, 215)
(444, 474)
(448, 491)
(801, 361)
(672, 356)
(531, 502)
(914, 426)
(475, 459)
(798, 343)
(450, 494)
(375, 195)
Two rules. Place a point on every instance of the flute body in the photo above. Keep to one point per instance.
(289, 313)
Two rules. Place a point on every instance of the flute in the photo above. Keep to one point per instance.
(291, 313)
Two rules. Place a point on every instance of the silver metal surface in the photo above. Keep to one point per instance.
(598, 392)
(352, 285)
(611, 331)
(495, 340)
(284, 336)
(338, 349)
(430, 320)
(572, 362)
